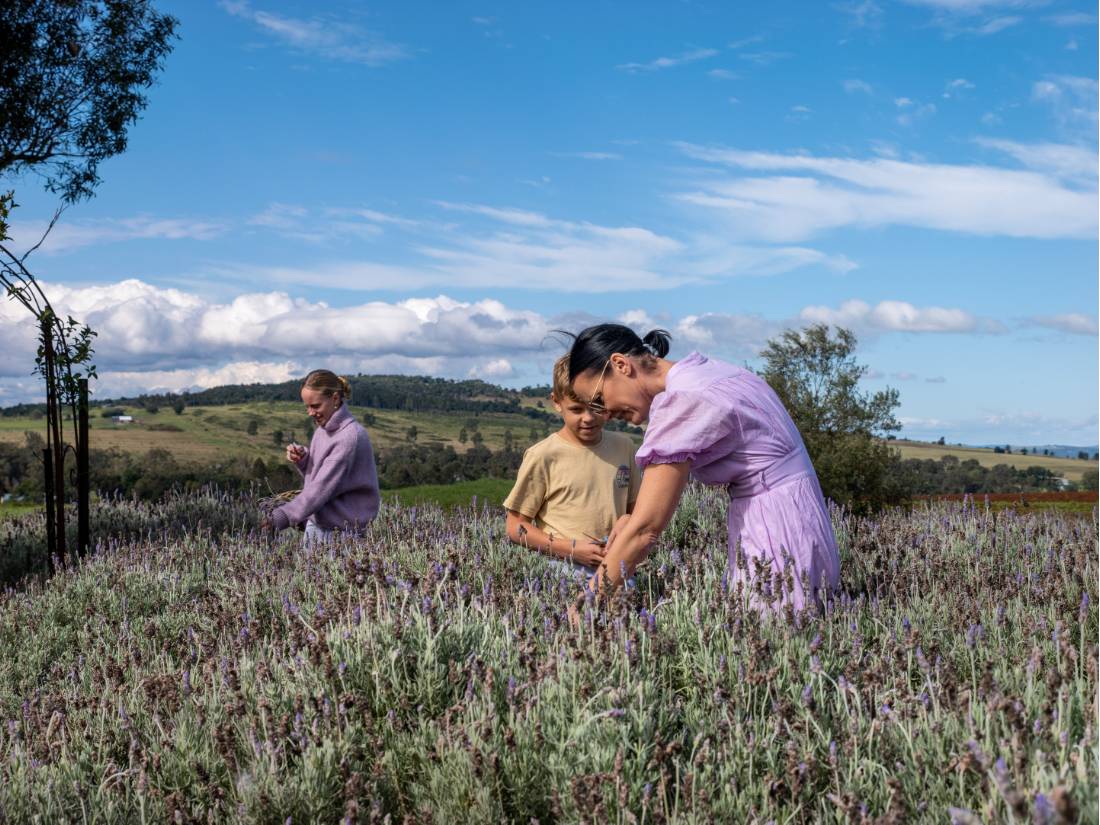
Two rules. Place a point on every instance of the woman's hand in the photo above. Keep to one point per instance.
(589, 553)
(295, 453)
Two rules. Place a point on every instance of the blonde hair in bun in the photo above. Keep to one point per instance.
(327, 382)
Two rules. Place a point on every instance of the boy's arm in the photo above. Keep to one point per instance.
(524, 532)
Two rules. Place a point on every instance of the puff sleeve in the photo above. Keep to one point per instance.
(687, 426)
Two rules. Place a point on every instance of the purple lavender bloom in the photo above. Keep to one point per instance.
(1044, 810)
(187, 682)
(807, 693)
(832, 749)
(616, 713)
(357, 615)
(647, 791)
(342, 668)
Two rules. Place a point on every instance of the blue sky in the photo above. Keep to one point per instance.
(433, 188)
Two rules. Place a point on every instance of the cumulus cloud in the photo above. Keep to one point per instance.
(145, 327)
(807, 195)
(324, 37)
(855, 85)
(496, 369)
(899, 316)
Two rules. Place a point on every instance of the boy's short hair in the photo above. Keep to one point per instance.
(562, 387)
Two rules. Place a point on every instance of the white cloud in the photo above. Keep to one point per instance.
(898, 316)
(998, 24)
(1072, 322)
(905, 376)
(864, 13)
(497, 368)
(955, 87)
(638, 319)
(855, 85)
(146, 327)
(913, 111)
(321, 36)
(807, 195)
(69, 235)
(668, 62)
(1062, 160)
(970, 6)
(938, 379)
(733, 336)
(1072, 101)
(722, 74)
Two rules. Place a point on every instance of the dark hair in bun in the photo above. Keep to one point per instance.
(593, 346)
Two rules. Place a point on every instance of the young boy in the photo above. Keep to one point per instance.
(573, 485)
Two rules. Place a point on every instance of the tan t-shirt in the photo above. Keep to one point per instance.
(576, 492)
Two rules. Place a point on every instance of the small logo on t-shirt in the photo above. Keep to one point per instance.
(622, 477)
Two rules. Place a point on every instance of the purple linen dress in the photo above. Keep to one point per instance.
(735, 431)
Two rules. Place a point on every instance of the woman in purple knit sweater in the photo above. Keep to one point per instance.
(340, 489)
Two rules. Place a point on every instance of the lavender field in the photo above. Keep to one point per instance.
(193, 672)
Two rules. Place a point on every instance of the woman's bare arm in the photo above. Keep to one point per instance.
(634, 536)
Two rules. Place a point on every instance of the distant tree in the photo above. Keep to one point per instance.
(940, 442)
(539, 404)
(111, 412)
(259, 469)
(368, 419)
(1008, 449)
(412, 433)
(1046, 452)
(1088, 480)
(533, 434)
(277, 438)
(816, 376)
(1083, 455)
(509, 441)
(72, 81)
(999, 450)
(177, 407)
(1096, 456)
(478, 439)
(463, 437)
(1023, 451)
(253, 427)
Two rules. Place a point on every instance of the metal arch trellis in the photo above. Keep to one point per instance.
(64, 362)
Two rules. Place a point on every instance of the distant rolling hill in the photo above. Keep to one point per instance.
(1069, 468)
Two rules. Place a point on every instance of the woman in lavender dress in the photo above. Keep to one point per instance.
(720, 424)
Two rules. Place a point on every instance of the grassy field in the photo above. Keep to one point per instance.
(1069, 468)
(428, 672)
(12, 510)
(485, 491)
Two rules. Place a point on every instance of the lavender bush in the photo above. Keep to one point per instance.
(428, 673)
